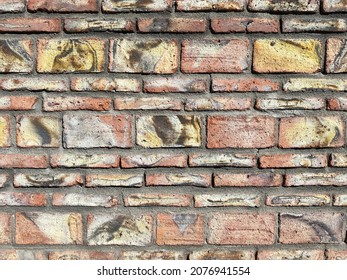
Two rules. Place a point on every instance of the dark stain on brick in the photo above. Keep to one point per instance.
(107, 229)
(183, 221)
(164, 129)
(42, 131)
(46, 182)
(160, 25)
(138, 4)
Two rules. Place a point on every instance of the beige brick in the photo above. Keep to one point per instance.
(111, 6)
(153, 199)
(105, 84)
(222, 255)
(47, 180)
(225, 200)
(16, 56)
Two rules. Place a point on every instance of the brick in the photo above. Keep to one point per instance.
(293, 161)
(243, 25)
(218, 103)
(22, 255)
(5, 140)
(287, 56)
(309, 84)
(90, 200)
(210, 5)
(74, 103)
(290, 255)
(225, 200)
(244, 85)
(337, 104)
(110, 6)
(23, 161)
(153, 199)
(180, 229)
(154, 160)
(47, 180)
(311, 132)
(79, 6)
(12, 6)
(240, 132)
(305, 6)
(85, 160)
(243, 229)
(311, 228)
(178, 179)
(312, 199)
(30, 25)
(247, 180)
(114, 180)
(222, 159)
(48, 228)
(38, 131)
(105, 84)
(115, 229)
(174, 25)
(313, 25)
(81, 255)
(22, 199)
(3, 179)
(152, 255)
(215, 56)
(168, 131)
(175, 84)
(70, 55)
(34, 84)
(338, 160)
(222, 255)
(318, 179)
(335, 6)
(78, 25)
(147, 103)
(89, 131)
(335, 55)
(16, 56)
(5, 228)
(340, 200)
(336, 254)
(290, 103)
(143, 56)
(21, 103)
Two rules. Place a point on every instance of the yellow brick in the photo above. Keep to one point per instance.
(4, 131)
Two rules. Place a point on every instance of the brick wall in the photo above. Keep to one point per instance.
(173, 129)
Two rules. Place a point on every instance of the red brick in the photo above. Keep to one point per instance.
(22, 199)
(21, 103)
(175, 84)
(5, 228)
(336, 254)
(293, 160)
(244, 85)
(154, 160)
(174, 25)
(147, 103)
(178, 179)
(12, 6)
(30, 25)
(251, 25)
(248, 180)
(337, 104)
(240, 132)
(74, 103)
(23, 161)
(63, 6)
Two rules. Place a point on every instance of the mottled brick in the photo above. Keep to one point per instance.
(34, 84)
(336, 55)
(22, 199)
(30, 25)
(22, 255)
(178, 179)
(338, 160)
(222, 255)
(16, 56)
(243, 25)
(114, 180)
(210, 5)
(316, 179)
(293, 161)
(225, 200)
(277, 6)
(313, 25)
(74, 103)
(312, 199)
(154, 160)
(111, 6)
(334, 6)
(5, 140)
(154, 199)
(336, 254)
(290, 103)
(23, 161)
(78, 25)
(5, 228)
(290, 254)
(47, 180)
(312, 84)
(90, 200)
(175, 84)
(337, 104)
(247, 180)
(174, 25)
(3, 179)
(147, 103)
(105, 84)
(84, 160)
(243, 85)
(81, 255)
(63, 6)
(12, 6)
(152, 255)
(340, 200)
(218, 104)
(222, 159)
(20, 103)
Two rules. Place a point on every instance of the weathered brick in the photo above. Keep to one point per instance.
(147, 103)
(243, 229)
(210, 5)
(78, 6)
(309, 103)
(222, 255)
(38, 131)
(218, 103)
(34, 84)
(334, 6)
(243, 85)
(70, 55)
(154, 199)
(316, 179)
(47, 180)
(213, 56)
(337, 104)
(311, 84)
(12, 6)
(115, 229)
(287, 56)
(311, 132)
(74, 103)
(48, 228)
(90, 200)
(242, 25)
(114, 180)
(336, 56)
(78, 25)
(180, 229)
(168, 131)
(3, 179)
(338, 160)
(175, 84)
(340, 200)
(154, 160)
(306, 6)
(111, 6)
(23, 161)
(16, 56)
(30, 25)
(247, 180)
(174, 25)
(89, 131)
(105, 84)
(312, 199)
(5, 228)
(178, 179)
(290, 255)
(12, 103)
(84, 160)
(81, 255)
(5, 140)
(22, 255)
(311, 228)
(224, 200)
(152, 255)
(22, 199)
(313, 25)
(293, 160)
(143, 56)
(336, 254)
(240, 131)
(222, 159)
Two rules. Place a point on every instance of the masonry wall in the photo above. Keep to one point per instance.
(173, 129)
